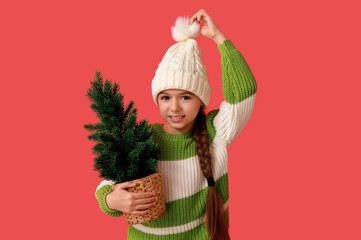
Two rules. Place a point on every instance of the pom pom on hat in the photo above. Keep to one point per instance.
(183, 30)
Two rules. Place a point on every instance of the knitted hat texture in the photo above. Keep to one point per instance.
(182, 66)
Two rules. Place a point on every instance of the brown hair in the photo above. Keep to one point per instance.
(217, 224)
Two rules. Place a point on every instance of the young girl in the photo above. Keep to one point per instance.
(193, 145)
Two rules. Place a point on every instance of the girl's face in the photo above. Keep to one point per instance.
(179, 109)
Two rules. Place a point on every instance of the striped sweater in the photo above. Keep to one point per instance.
(185, 187)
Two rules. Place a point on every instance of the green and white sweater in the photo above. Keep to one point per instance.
(185, 187)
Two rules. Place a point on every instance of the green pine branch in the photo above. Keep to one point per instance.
(124, 149)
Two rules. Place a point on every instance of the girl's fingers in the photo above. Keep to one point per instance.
(192, 19)
(197, 16)
(145, 200)
(145, 206)
(143, 195)
(201, 16)
(123, 185)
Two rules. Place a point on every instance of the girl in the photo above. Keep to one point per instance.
(193, 144)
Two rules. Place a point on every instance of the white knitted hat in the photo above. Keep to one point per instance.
(182, 66)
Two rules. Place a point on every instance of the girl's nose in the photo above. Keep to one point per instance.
(175, 106)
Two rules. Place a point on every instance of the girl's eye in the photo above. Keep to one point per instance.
(167, 98)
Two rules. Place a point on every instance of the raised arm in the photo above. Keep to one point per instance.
(239, 91)
(239, 86)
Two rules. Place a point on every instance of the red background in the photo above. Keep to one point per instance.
(294, 172)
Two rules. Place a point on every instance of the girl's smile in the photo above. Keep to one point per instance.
(176, 118)
(179, 109)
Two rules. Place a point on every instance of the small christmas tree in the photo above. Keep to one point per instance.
(125, 150)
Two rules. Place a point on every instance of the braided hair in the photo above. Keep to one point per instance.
(217, 225)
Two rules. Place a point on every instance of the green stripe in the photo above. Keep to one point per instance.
(185, 210)
(197, 233)
(238, 82)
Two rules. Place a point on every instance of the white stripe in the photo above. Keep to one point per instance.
(177, 229)
(232, 118)
(184, 178)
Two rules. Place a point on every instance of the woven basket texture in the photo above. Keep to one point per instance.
(151, 183)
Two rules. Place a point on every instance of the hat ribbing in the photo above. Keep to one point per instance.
(182, 66)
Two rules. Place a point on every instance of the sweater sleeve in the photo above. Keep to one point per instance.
(103, 189)
(239, 90)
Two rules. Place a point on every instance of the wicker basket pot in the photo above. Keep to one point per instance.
(151, 183)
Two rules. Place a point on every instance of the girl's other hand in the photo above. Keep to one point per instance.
(128, 202)
(209, 29)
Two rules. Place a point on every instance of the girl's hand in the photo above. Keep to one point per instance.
(128, 202)
(209, 28)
